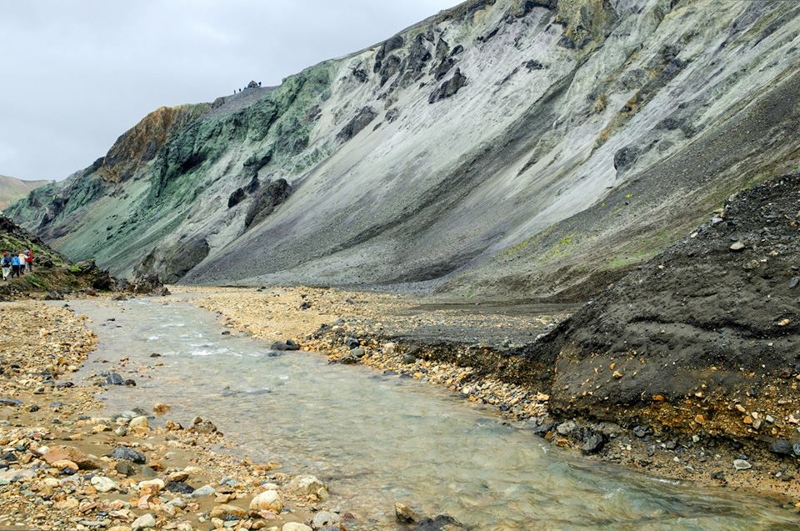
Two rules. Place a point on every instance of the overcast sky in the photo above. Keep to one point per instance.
(77, 74)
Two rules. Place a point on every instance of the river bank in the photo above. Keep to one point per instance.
(489, 366)
(68, 463)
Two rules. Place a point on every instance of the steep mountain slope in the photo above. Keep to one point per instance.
(12, 190)
(52, 273)
(501, 147)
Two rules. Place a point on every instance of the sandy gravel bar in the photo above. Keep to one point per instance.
(67, 464)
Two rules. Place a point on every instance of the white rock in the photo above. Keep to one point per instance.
(103, 484)
(269, 500)
(139, 422)
(193, 470)
(294, 526)
(151, 486)
(308, 486)
(206, 490)
(147, 521)
(325, 519)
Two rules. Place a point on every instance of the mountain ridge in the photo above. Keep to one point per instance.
(473, 152)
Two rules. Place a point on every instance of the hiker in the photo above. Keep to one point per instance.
(6, 264)
(29, 259)
(22, 261)
(15, 266)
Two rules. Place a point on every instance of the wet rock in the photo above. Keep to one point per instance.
(287, 345)
(794, 282)
(201, 425)
(306, 485)
(115, 379)
(404, 514)
(325, 519)
(440, 523)
(123, 453)
(781, 447)
(593, 445)
(269, 500)
(351, 343)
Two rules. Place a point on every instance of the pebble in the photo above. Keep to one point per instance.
(103, 484)
(295, 526)
(593, 444)
(206, 490)
(128, 454)
(781, 447)
(741, 464)
(566, 427)
(146, 521)
(737, 246)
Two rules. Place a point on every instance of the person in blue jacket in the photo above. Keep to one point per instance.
(15, 266)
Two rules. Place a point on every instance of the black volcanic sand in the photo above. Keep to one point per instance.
(711, 323)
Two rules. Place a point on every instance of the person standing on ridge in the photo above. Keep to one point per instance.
(29, 259)
(6, 264)
(22, 261)
(15, 266)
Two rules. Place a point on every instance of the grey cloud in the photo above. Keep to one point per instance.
(77, 74)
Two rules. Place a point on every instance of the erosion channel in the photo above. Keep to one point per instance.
(377, 438)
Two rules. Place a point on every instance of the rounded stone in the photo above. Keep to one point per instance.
(269, 500)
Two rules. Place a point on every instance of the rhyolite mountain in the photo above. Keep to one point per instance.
(12, 189)
(525, 147)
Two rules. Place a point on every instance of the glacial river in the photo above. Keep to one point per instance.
(376, 439)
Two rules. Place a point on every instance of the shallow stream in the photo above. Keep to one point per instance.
(376, 439)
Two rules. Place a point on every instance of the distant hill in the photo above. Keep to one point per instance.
(12, 190)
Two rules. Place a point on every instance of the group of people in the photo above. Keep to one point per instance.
(17, 264)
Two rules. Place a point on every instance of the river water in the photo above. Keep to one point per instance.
(376, 439)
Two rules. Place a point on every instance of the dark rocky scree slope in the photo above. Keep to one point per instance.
(705, 337)
(502, 148)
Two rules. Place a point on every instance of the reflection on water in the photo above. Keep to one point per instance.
(378, 439)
